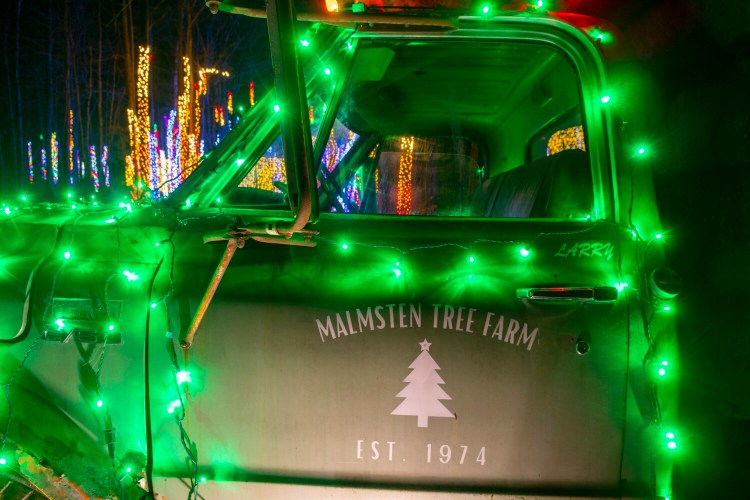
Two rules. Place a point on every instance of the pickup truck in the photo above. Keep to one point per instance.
(427, 265)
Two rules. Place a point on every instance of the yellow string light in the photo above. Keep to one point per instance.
(569, 138)
(264, 173)
(183, 117)
(230, 106)
(71, 145)
(405, 172)
(137, 163)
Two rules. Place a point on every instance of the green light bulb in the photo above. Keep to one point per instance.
(131, 276)
(662, 372)
(524, 252)
(202, 479)
(304, 43)
(60, 323)
(396, 272)
(3, 461)
(327, 71)
(172, 406)
(540, 4)
(276, 108)
(128, 470)
(669, 435)
(344, 246)
(666, 308)
(641, 150)
(99, 403)
(659, 236)
(606, 99)
(471, 259)
(672, 445)
(111, 328)
(485, 9)
(471, 276)
(183, 377)
(67, 254)
(153, 305)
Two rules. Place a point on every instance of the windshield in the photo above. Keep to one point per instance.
(458, 128)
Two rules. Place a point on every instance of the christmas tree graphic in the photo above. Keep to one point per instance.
(423, 393)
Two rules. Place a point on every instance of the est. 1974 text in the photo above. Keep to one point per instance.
(432, 453)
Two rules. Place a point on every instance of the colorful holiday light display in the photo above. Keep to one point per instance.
(43, 159)
(94, 169)
(71, 147)
(54, 146)
(405, 172)
(105, 165)
(569, 138)
(31, 161)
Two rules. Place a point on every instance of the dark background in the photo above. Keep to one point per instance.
(698, 54)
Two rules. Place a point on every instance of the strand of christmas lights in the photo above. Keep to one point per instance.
(31, 162)
(71, 147)
(105, 165)
(54, 148)
(94, 168)
(43, 160)
(405, 172)
(80, 167)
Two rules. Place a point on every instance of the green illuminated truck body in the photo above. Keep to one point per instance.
(425, 267)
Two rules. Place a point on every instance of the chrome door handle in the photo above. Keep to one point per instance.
(568, 293)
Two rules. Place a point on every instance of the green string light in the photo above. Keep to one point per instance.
(671, 441)
(173, 405)
(183, 377)
(131, 276)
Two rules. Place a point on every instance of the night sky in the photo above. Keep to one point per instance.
(698, 56)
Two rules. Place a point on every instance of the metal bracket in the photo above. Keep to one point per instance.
(232, 245)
